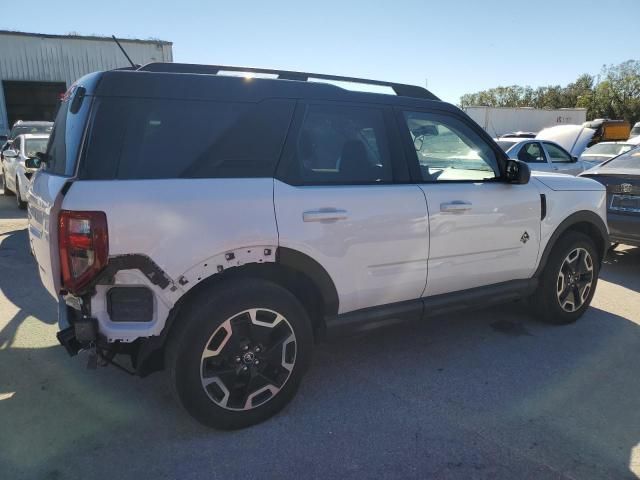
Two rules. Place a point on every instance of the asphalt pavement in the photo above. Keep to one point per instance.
(490, 394)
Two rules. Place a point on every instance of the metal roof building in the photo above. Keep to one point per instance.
(35, 69)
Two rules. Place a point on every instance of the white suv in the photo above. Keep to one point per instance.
(16, 176)
(216, 226)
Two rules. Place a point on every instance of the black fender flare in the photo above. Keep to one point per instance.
(150, 356)
(582, 216)
(308, 266)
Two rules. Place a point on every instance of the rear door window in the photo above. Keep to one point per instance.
(557, 154)
(161, 138)
(340, 144)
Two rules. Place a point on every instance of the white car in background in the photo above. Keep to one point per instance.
(542, 155)
(604, 151)
(573, 138)
(16, 176)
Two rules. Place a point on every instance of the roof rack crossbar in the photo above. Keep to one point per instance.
(399, 88)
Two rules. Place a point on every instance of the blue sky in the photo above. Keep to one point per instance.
(456, 46)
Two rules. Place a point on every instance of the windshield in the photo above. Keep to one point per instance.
(628, 160)
(612, 149)
(35, 145)
(34, 129)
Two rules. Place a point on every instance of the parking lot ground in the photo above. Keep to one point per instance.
(488, 394)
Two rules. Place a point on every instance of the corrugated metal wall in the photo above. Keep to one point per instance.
(65, 59)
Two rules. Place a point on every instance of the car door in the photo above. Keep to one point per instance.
(561, 160)
(534, 155)
(342, 199)
(483, 230)
(10, 164)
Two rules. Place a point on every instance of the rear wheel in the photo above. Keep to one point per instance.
(568, 281)
(238, 353)
(21, 203)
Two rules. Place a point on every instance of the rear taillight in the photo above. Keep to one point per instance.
(84, 247)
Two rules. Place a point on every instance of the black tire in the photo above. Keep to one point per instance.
(193, 335)
(21, 203)
(546, 300)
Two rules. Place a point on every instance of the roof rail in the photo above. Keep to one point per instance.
(399, 88)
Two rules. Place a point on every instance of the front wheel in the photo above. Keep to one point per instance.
(238, 353)
(568, 281)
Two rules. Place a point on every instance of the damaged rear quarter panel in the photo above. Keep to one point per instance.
(178, 223)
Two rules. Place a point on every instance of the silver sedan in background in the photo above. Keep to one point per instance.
(542, 155)
(603, 151)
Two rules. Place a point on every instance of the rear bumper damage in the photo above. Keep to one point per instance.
(76, 333)
(80, 333)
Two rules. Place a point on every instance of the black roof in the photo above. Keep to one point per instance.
(201, 82)
(399, 88)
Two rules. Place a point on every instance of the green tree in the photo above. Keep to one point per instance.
(615, 93)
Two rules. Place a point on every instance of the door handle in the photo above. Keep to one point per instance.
(324, 215)
(456, 206)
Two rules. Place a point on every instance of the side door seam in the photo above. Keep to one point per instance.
(275, 170)
(426, 204)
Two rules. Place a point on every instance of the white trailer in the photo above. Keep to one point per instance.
(497, 121)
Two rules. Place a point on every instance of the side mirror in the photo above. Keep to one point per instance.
(10, 153)
(38, 161)
(517, 172)
(32, 162)
(574, 159)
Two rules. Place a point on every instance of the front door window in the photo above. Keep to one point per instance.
(448, 150)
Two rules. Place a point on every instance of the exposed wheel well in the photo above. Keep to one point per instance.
(298, 283)
(149, 356)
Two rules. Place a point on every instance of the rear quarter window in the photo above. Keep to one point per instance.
(164, 138)
(65, 141)
(57, 148)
